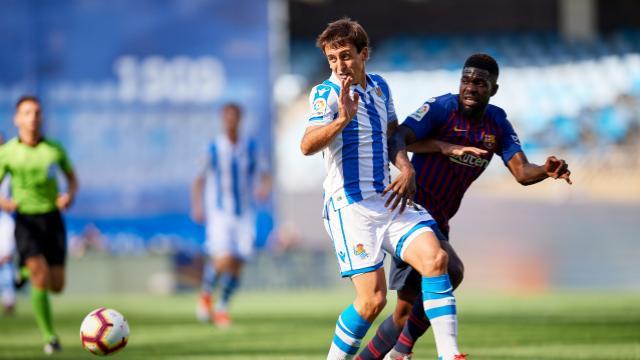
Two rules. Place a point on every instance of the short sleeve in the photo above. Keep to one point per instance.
(323, 103)
(509, 141)
(427, 118)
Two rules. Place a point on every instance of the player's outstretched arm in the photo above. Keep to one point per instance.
(197, 193)
(318, 137)
(527, 173)
(445, 148)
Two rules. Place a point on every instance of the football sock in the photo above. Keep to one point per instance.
(383, 340)
(350, 329)
(42, 310)
(440, 307)
(416, 326)
(6, 284)
(230, 284)
(209, 278)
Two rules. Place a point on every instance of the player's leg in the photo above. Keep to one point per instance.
(214, 244)
(416, 323)
(7, 291)
(406, 282)
(357, 232)
(40, 278)
(426, 255)
(230, 268)
(354, 322)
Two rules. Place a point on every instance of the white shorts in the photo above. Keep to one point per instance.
(362, 230)
(7, 239)
(230, 235)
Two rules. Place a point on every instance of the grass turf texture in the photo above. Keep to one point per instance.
(288, 325)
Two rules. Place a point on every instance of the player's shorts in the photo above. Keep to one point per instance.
(402, 275)
(7, 229)
(41, 234)
(230, 235)
(362, 231)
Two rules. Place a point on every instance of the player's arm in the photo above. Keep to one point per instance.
(318, 137)
(527, 173)
(403, 187)
(443, 147)
(197, 196)
(65, 199)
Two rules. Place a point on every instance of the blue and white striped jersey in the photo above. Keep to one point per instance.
(231, 176)
(356, 160)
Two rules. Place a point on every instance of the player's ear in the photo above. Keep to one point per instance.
(494, 89)
(365, 53)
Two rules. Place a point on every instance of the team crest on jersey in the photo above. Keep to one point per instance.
(489, 141)
(378, 91)
(359, 250)
(421, 112)
(319, 106)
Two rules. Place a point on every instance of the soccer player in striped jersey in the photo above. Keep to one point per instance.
(351, 115)
(7, 248)
(233, 177)
(453, 138)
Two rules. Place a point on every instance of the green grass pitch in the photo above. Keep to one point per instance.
(299, 325)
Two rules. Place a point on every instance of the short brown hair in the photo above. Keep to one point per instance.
(25, 98)
(342, 32)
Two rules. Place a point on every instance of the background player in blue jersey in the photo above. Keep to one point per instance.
(351, 114)
(453, 138)
(234, 176)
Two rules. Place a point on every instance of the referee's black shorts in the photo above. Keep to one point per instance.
(41, 234)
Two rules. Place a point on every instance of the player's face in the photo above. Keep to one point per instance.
(231, 119)
(477, 86)
(28, 116)
(346, 61)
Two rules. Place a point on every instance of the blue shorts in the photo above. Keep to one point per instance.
(402, 276)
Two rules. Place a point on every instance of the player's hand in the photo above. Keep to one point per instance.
(459, 150)
(402, 190)
(557, 169)
(197, 214)
(8, 205)
(63, 201)
(347, 106)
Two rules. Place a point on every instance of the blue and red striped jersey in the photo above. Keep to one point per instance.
(443, 180)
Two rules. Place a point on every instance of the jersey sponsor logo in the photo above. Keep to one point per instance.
(342, 255)
(319, 107)
(515, 139)
(469, 160)
(421, 112)
(359, 250)
(489, 141)
(321, 92)
(457, 129)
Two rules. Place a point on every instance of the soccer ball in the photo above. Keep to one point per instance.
(104, 331)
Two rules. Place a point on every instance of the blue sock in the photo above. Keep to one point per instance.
(350, 329)
(209, 278)
(230, 284)
(440, 307)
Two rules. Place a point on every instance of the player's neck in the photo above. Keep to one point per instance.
(233, 137)
(29, 138)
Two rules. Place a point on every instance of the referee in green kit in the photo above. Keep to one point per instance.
(34, 163)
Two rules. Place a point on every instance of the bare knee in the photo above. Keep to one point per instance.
(456, 273)
(370, 307)
(56, 287)
(434, 264)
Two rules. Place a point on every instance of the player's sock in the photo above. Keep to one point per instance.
(440, 307)
(383, 341)
(42, 310)
(230, 284)
(209, 278)
(350, 329)
(416, 326)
